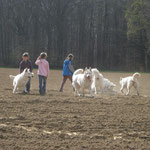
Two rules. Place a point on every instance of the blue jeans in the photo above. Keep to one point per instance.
(28, 85)
(42, 84)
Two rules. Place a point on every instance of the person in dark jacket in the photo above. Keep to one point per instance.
(26, 63)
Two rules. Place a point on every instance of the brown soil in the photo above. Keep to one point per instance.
(60, 121)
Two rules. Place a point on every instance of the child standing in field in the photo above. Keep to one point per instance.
(67, 71)
(26, 63)
(43, 69)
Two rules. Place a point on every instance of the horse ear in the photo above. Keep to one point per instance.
(85, 69)
(90, 68)
(26, 69)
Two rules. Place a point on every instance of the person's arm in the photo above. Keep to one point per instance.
(47, 69)
(30, 66)
(38, 61)
(71, 68)
(21, 66)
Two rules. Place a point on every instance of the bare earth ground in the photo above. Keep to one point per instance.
(59, 121)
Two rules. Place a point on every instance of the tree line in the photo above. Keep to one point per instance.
(107, 34)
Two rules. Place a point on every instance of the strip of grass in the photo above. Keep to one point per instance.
(112, 71)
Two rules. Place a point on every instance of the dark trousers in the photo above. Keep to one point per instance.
(42, 84)
(64, 80)
(28, 85)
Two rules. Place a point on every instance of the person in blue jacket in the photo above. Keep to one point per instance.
(67, 71)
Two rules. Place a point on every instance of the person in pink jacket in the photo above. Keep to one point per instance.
(43, 69)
